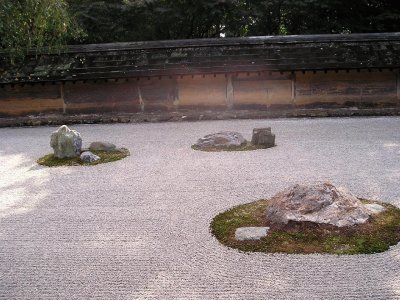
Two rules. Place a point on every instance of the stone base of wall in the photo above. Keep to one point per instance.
(193, 115)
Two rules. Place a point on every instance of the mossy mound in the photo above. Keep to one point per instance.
(50, 160)
(243, 147)
(377, 235)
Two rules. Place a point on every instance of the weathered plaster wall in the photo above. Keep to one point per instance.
(202, 91)
(253, 89)
(100, 96)
(24, 100)
(122, 95)
(342, 88)
(258, 90)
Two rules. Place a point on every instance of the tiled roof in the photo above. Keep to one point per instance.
(203, 56)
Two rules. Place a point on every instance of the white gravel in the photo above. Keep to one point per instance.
(139, 228)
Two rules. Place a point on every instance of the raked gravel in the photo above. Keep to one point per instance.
(139, 228)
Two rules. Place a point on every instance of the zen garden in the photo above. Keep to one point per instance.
(199, 149)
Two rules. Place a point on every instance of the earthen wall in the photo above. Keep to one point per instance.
(254, 90)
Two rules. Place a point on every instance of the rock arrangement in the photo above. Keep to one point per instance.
(319, 203)
(67, 143)
(262, 138)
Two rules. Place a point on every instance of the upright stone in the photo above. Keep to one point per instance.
(263, 137)
(66, 142)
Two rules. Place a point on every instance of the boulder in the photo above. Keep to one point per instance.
(66, 142)
(250, 233)
(263, 137)
(223, 139)
(88, 157)
(319, 203)
(102, 146)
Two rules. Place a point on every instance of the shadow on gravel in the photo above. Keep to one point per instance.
(20, 189)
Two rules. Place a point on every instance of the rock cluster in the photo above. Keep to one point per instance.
(68, 143)
(262, 138)
(319, 203)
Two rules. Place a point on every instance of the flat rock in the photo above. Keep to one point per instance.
(88, 157)
(66, 142)
(102, 146)
(319, 203)
(250, 233)
(374, 208)
(221, 139)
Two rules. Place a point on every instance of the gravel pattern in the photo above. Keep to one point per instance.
(138, 228)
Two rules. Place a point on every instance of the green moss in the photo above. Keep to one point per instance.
(50, 160)
(377, 235)
(243, 147)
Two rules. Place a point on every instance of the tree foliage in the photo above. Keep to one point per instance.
(130, 20)
(28, 24)
(34, 24)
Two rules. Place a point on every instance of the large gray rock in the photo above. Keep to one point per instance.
(88, 157)
(263, 137)
(221, 139)
(66, 142)
(102, 146)
(319, 203)
(250, 233)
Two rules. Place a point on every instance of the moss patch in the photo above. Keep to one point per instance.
(377, 235)
(243, 147)
(50, 160)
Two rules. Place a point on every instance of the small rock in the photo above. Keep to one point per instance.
(374, 208)
(250, 233)
(221, 140)
(88, 157)
(66, 142)
(263, 137)
(319, 203)
(102, 146)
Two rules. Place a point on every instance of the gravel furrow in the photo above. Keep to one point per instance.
(139, 228)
